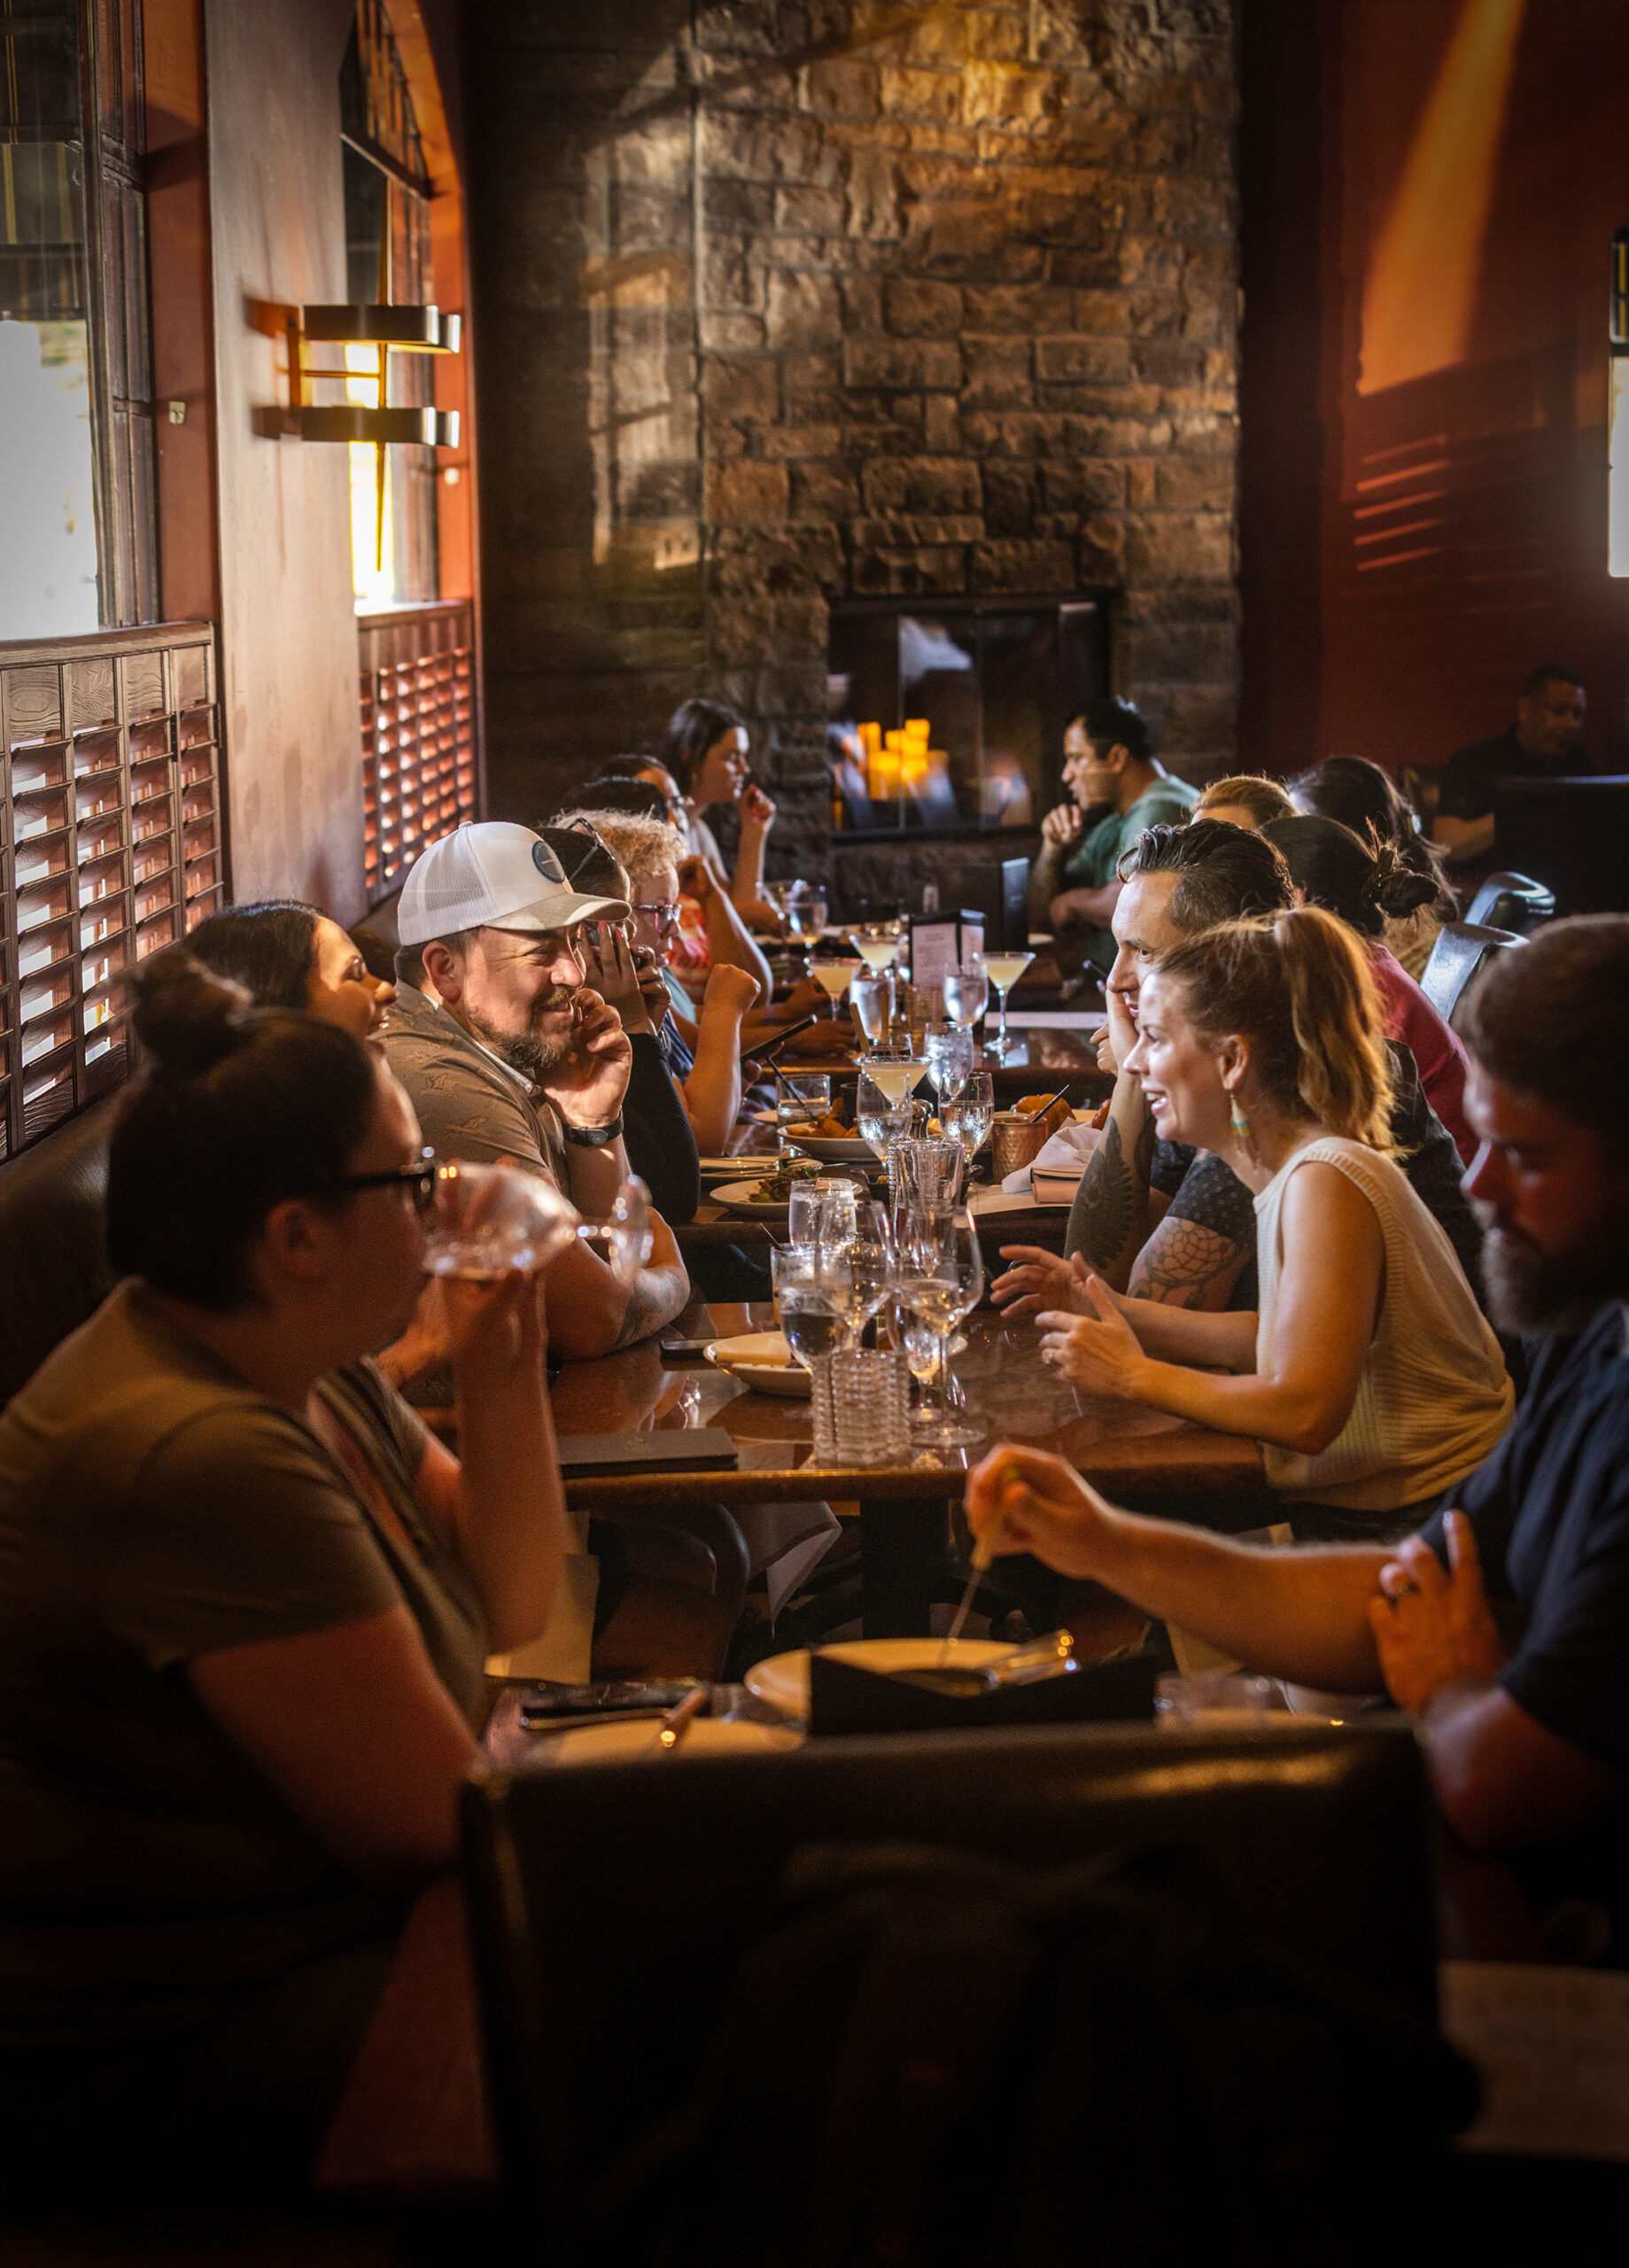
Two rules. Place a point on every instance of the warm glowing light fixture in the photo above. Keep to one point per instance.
(1618, 411)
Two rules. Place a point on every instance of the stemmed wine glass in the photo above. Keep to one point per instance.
(882, 1100)
(942, 1280)
(1003, 971)
(970, 1113)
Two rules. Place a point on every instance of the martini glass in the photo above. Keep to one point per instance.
(832, 978)
(1003, 971)
(897, 1077)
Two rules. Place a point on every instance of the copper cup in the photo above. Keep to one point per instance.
(1014, 1142)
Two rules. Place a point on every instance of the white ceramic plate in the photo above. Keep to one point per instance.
(762, 1360)
(783, 1679)
(737, 1197)
(631, 1743)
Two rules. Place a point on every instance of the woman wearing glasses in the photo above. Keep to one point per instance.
(245, 1601)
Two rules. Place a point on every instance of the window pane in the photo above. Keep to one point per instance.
(47, 564)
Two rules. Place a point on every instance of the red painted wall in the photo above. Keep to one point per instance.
(1401, 632)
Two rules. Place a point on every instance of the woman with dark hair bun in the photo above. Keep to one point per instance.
(287, 954)
(1366, 886)
(1369, 1373)
(246, 1604)
(1368, 800)
(706, 753)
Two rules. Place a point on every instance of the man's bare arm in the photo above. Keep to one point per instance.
(1504, 1780)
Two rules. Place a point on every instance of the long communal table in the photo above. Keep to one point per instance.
(904, 1509)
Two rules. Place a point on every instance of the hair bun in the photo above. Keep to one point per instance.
(1398, 889)
(187, 1019)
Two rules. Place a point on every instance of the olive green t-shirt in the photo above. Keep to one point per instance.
(155, 1507)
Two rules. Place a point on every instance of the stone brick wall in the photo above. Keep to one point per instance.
(783, 300)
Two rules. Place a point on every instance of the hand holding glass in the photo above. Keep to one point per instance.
(492, 1218)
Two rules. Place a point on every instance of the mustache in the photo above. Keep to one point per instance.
(551, 1003)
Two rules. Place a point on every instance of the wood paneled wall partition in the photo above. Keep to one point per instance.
(420, 772)
(110, 847)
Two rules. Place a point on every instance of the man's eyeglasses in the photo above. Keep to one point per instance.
(420, 1180)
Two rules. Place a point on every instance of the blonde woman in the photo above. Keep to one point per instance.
(1369, 1373)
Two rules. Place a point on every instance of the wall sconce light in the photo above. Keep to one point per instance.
(388, 328)
(1618, 411)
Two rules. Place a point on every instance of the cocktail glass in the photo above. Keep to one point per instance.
(1003, 971)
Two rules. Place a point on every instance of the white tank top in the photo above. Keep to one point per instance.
(1434, 1396)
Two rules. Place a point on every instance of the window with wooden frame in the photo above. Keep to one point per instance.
(76, 446)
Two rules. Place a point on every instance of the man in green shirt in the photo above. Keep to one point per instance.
(1118, 788)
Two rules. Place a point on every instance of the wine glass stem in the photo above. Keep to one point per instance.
(944, 1374)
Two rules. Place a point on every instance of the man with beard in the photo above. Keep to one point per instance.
(1504, 1623)
(506, 1053)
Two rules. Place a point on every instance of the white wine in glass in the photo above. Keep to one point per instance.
(1003, 971)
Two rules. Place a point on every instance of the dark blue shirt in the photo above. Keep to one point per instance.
(1550, 1512)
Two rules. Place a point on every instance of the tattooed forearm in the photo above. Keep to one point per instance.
(655, 1297)
(1105, 1208)
(1184, 1264)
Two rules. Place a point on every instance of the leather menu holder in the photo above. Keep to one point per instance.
(678, 1448)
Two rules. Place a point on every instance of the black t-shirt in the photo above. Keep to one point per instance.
(1468, 780)
(1550, 1511)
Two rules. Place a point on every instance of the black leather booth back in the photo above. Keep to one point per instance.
(54, 1269)
(609, 1904)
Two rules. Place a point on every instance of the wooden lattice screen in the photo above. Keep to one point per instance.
(110, 836)
(419, 769)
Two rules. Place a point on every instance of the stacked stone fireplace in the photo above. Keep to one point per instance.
(785, 305)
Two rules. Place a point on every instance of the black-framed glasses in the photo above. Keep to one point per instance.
(419, 1180)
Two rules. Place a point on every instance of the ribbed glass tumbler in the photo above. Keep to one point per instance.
(860, 1402)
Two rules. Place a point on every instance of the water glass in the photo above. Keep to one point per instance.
(801, 1096)
(925, 1174)
(949, 1050)
(820, 1215)
(868, 998)
(860, 1404)
(813, 1301)
(970, 1113)
(967, 995)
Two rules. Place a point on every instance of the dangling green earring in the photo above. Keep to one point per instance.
(1241, 1124)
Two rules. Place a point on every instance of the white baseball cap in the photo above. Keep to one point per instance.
(492, 873)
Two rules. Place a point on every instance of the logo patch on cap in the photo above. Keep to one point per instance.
(543, 859)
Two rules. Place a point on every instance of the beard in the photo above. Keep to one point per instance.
(1553, 1292)
(531, 1053)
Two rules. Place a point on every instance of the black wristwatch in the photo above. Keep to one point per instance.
(592, 1138)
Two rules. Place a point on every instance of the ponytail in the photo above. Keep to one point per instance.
(1296, 987)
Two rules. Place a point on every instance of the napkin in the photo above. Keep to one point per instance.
(1064, 1154)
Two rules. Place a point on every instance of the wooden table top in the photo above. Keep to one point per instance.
(1124, 1450)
